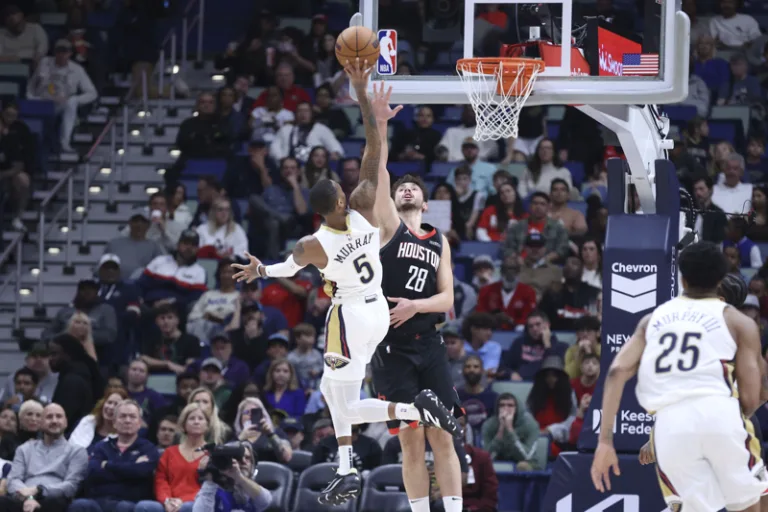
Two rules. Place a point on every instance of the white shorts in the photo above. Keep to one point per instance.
(353, 330)
(707, 456)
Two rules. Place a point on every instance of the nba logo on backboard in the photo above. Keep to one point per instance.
(387, 63)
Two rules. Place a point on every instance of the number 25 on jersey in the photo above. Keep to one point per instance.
(685, 355)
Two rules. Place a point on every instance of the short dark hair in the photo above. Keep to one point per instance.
(156, 194)
(166, 309)
(707, 181)
(416, 180)
(170, 418)
(26, 371)
(211, 181)
(589, 355)
(463, 170)
(186, 376)
(502, 173)
(476, 358)
(703, 266)
(323, 197)
(586, 323)
(476, 319)
(540, 194)
(537, 313)
(561, 181)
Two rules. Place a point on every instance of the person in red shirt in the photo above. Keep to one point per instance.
(500, 214)
(481, 488)
(509, 300)
(551, 402)
(584, 388)
(289, 296)
(293, 95)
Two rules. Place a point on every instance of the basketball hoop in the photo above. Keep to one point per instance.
(497, 88)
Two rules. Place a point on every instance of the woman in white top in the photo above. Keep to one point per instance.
(545, 166)
(221, 236)
(592, 256)
(100, 423)
(178, 211)
(216, 311)
(266, 121)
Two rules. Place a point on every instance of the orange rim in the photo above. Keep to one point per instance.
(511, 69)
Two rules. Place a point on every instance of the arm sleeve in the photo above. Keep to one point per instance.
(18, 470)
(198, 309)
(162, 485)
(83, 433)
(76, 469)
(330, 141)
(133, 470)
(105, 330)
(259, 502)
(755, 257)
(512, 357)
(206, 499)
(562, 246)
(87, 91)
(280, 145)
(96, 473)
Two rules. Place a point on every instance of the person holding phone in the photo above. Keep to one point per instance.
(254, 425)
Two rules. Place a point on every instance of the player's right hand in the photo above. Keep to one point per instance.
(380, 103)
(646, 454)
(247, 272)
(358, 73)
(605, 460)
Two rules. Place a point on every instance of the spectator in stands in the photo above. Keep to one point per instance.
(578, 422)
(463, 212)
(587, 342)
(592, 258)
(25, 384)
(162, 229)
(252, 175)
(253, 424)
(100, 423)
(718, 159)
(166, 433)
(736, 236)
(511, 433)
(221, 236)
(586, 383)
(30, 421)
(79, 326)
(711, 225)
(125, 299)
(243, 102)
(732, 29)
(211, 377)
(148, 399)
(573, 220)
(307, 361)
(551, 401)
(708, 66)
(571, 299)
(204, 135)
(217, 311)
(509, 300)
(219, 432)
(366, 453)
(537, 271)
(464, 298)
(317, 168)
(755, 161)
(283, 210)
(698, 26)
(274, 318)
(457, 354)
(483, 271)
(66, 84)
(175, 279)
(450, 148)
(500, 214)
(282, 391)
(325, 113)
(9, 422)
(699, 95)
(37, 360)
(293, 95)
(523, 359)
(294, 430)
(17, 149)
(133, 249)
(697, 143)
(480, 491)
(732, 195)
(186, 383)
(235, 371)
(249, 341)
(418, 143)
(21, 39)
(742, 88)
(554, 235)
(80, 380)
(482, 172)
(102, 316)
(329, 71)
(121, 469)
(267, 120)
(544, 167)
(477, 330)
(208, 191)
(46, 471)
(298, 139)
(172, 350)
(176, 478)
(178, 210)
(234, 121)
(733, 258)
(758, 231)
(477, 399)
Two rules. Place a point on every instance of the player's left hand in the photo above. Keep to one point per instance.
(247, 272)
(605, 460)
(402, 312)
(358, 72)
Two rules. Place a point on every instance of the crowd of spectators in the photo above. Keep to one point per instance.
(247, 359)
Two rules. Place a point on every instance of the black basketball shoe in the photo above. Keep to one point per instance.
(435, 414)
(341, 489)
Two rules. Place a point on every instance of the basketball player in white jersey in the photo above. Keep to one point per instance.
(346, 251)
(690, 355)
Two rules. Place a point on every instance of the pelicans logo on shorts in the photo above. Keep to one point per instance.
(335, 362)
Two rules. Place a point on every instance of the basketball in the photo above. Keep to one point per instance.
(356, 42)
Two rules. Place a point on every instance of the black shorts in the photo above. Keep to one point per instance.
(403, 368)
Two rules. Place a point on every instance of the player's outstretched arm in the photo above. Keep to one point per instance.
(750, 377)
(384, 210)
(307, 251)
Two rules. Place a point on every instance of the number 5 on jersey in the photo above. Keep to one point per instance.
(363, 268)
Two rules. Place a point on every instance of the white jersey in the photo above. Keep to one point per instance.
(354, 267)
(689, 353)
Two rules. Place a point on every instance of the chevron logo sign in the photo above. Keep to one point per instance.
(633, 295)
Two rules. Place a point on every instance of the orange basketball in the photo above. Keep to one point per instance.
(357, 42)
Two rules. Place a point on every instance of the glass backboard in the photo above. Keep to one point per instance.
(596, 51)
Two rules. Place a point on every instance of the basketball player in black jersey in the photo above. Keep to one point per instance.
(418, 283)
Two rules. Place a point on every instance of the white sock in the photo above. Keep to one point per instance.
(407, 412)
(453, 503)
(345, 459)
(420, 504)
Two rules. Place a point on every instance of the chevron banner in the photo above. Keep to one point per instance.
(634, 295)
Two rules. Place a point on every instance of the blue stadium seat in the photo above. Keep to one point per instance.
(680, 113)
(300, 460)
(579, 206)
(402, 168)
(202, 166)
(722, 130)
(459, 272)
(553, 130)
(442, 169)
(519, 389)
(278, 480)
(568, 337)
(384, 490)
(505, 338)
(353, 147)
(763, 249)
(472, 248)
(577, 172)
(190, 186)
(36, 108)
(599, 190)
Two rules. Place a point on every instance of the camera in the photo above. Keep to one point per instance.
(220, 460)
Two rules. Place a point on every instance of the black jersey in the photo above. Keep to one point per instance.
(410, 264)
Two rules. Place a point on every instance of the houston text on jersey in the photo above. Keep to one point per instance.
(419, 252)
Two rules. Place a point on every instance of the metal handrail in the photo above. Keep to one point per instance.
(4, 257)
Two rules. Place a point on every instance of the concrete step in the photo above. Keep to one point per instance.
(93, 233)
(30, 253)
(55, 296)
(53, 273)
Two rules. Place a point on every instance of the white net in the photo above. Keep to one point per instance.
(497, 91)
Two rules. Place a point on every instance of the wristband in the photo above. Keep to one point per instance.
(258, 270)
(30, 498)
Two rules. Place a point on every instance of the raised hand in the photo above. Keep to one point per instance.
(248, 272)
(358, 73)
(380, 103)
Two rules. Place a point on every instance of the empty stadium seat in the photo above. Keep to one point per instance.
(472, 248)
(190, 186)
(311, 482)
(680, 113)
(442, 169)
(553, 130)
(577, 172)
(203, 166)
(352, 147)
(300, 460)
(278, 480)
(36, 108)
(568, 337)
(402, 168)
(519, 389)
(723, 130)
(384, 490)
